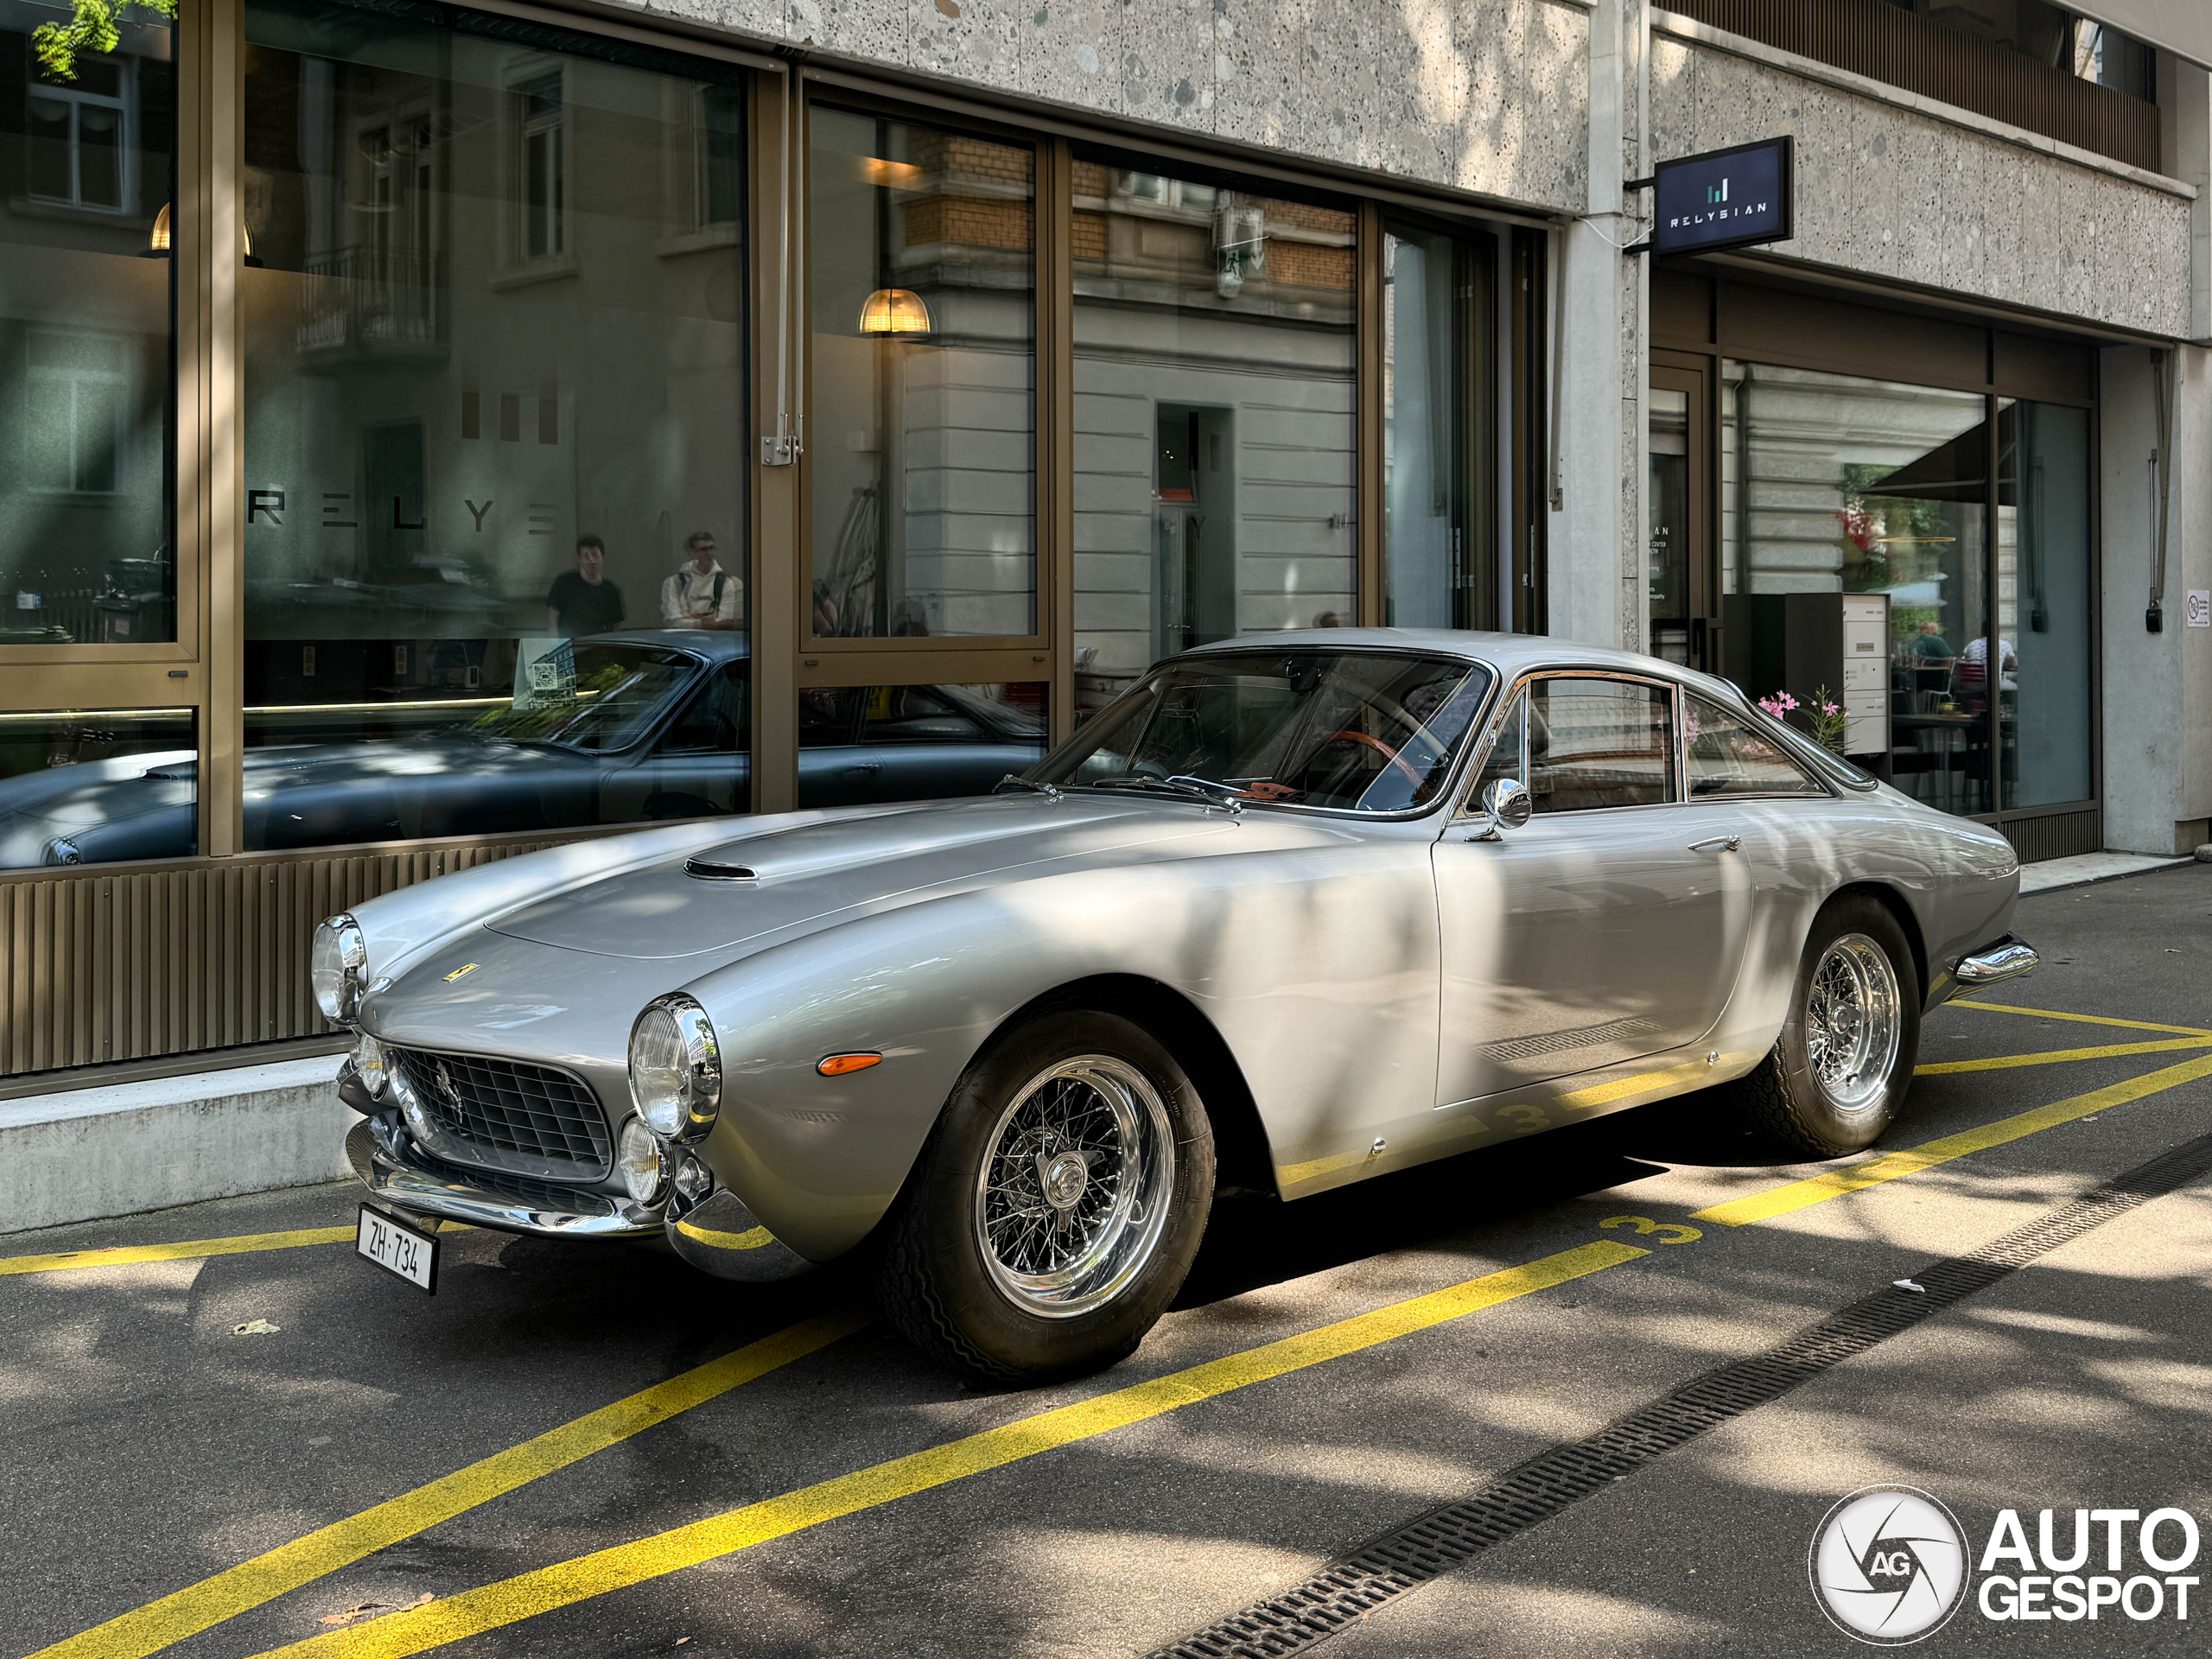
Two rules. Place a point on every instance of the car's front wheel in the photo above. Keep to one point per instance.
(1056, 1206)
(1838, 1073)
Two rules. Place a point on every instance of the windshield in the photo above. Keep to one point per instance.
(1368, 731)
(590, 695)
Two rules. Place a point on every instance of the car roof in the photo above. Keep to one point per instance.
(1510, 654)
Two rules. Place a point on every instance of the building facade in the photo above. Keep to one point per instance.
(434, 432)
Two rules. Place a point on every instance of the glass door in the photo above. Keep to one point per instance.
(1680, 579)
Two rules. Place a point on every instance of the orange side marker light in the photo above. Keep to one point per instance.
(835, 1066)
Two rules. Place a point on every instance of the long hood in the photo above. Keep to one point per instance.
(805, 875)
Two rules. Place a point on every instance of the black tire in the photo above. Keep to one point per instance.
(1790, 1097)
(966, 1311)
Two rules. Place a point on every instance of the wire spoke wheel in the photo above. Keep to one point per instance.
(1854, 1021)
(1071, 1194)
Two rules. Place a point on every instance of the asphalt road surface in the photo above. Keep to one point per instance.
(223, 1435)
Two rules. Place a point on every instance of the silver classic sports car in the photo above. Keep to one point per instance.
(1290, 913)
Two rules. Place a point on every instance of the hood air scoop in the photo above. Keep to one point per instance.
(710, 869)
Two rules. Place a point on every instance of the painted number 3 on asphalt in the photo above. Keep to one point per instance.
(1659, 1232)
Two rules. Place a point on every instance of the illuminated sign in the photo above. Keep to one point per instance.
(1724, 199)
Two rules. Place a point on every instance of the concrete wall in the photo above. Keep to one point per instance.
(1888, 188)
(1484, 95)
(114, 1151)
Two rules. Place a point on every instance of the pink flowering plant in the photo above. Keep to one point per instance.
(1823, 717)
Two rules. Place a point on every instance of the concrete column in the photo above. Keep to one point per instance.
(2158, 687)
(1594, 595)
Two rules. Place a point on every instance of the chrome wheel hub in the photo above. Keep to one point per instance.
(1071, 1197)
(1854, 1021)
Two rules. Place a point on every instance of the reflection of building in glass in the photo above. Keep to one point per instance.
(922, 329)
(492, 311)
(1213, 417)
(84, 428)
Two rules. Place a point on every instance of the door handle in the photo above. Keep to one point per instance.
(1718, 844)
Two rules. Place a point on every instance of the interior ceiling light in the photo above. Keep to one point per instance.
(896, 176)
(895, 311)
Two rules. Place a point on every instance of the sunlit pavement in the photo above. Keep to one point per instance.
(825, 1492)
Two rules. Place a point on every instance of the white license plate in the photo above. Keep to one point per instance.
(397, 1248)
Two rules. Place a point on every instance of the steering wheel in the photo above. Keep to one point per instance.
(1380, 747)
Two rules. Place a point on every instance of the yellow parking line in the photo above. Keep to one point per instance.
(120, 1254)
(2055, 1056)
(509, 1601)
(1910, 1160)
(493, 1606)
(185, 1612)
(2081, 1019)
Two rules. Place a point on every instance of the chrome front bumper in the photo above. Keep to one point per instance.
(400, 1175)
(717, 1234)
(2007, 958)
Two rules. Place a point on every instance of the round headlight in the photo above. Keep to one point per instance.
(638, 1156)
(336, 966)
(370, 1065)
(676, 1069)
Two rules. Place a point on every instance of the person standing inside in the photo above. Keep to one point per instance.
(583, 601)
(702, 594)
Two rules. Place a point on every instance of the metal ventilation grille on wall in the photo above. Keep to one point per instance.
(1885, 43)
(134, 965)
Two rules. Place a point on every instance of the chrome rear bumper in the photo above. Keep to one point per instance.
(2007, 958)
(400, 1175)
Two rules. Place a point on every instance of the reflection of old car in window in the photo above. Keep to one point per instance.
(644, 725)
(1294, 910)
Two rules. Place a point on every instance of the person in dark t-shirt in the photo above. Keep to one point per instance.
(583, 601)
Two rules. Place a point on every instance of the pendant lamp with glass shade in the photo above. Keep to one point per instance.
(897, 311)
(157, 245)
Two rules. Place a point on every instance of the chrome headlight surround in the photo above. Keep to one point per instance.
(338, 963)
(676, 1069)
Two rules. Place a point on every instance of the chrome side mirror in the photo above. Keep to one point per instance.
(1508, 802)
(1510, 806)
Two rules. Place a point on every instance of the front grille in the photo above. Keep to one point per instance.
(542, 1195)
(528, 1120)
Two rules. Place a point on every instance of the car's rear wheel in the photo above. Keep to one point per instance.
(1838, 1073)
(1056, 1206)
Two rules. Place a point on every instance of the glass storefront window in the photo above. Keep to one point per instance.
(1438, 529)
(1833, 484)
(495, 430)
(922, 316)
(1214, 431)
(861, 743)
(86, 402)
(96, 785)
(2043, 669)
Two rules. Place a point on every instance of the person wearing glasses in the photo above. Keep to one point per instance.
(702, 594)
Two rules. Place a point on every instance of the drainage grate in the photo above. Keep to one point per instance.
(1541, 1488)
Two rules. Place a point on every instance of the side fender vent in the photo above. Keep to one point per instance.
(707, 869)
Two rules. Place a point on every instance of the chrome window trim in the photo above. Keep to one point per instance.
(1821, 790)
(1470, 807)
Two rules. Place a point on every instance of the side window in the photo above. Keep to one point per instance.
(914, 714)
(1504, 759)
(713, 722)
(1726, 757)
(825, 716)
(1597, 743)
